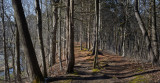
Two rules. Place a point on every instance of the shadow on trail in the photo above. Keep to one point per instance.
(142, 73)
(113, 66)
(118, 68)
(51, 79)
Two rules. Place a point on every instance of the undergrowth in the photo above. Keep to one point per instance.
(95, 70)
(139, 79)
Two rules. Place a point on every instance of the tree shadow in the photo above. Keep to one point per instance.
(115, 61)
(51, 79)
(118, 68)
(82, 73)
(142, 73)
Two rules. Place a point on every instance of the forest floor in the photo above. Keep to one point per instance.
(112, 69)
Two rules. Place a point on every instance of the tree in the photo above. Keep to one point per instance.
(71, 62)
(40, 32)
(6, 69)
(97, 12)
(154, 34)
(17, 56)
(81, 26)
(89, 25)
(141, 25)
(26, 41)
(54, 31)
(60, 26)
(151, 43)
(124, 26)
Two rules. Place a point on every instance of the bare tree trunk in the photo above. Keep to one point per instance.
(124, 28)
(88, 34)
(150, 19)
(67, 30)
(26, 41)
(26, 66)
(13, 63)
(95, 63)
(154, 34)
(71, 62)
(17, 57)
(81, 26)
(89, 26)
(85, 33)
(64, 40)
(60, 58)
(54, 35)
(40, 32)
(48, 35)
(141, 25)
(6, 69)
(123, 41)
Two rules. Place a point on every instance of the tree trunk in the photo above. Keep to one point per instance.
(67, 30)
(64, 40)
(26, 41)
(81, 26)
(53, 33)
(123, 41)
(13, 63)
(89, 26)
(145, 33)
(124, 28)
(60, 58)
(17, 57)
(97, 12)
(71, 62)
(154, 34)
(40, 32)
(6, 68)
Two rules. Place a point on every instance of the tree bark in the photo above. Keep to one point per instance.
(67, 30)
(95, 63)
(154, 57)
(26, 41)
(71, 62)
(17, 57)
(154, 34)
(6, 69)
(60, 58)
(53, 33)
(40, 32)
(124, 28)
(81, 26)
(89, 26)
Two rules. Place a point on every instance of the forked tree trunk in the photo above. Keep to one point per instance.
(153, 51)
(54, 33)
(25, 37)
(40, 32)
(141, 25)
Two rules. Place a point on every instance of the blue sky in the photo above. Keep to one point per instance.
(28, 6)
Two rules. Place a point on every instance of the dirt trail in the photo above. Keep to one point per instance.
(113, 69)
